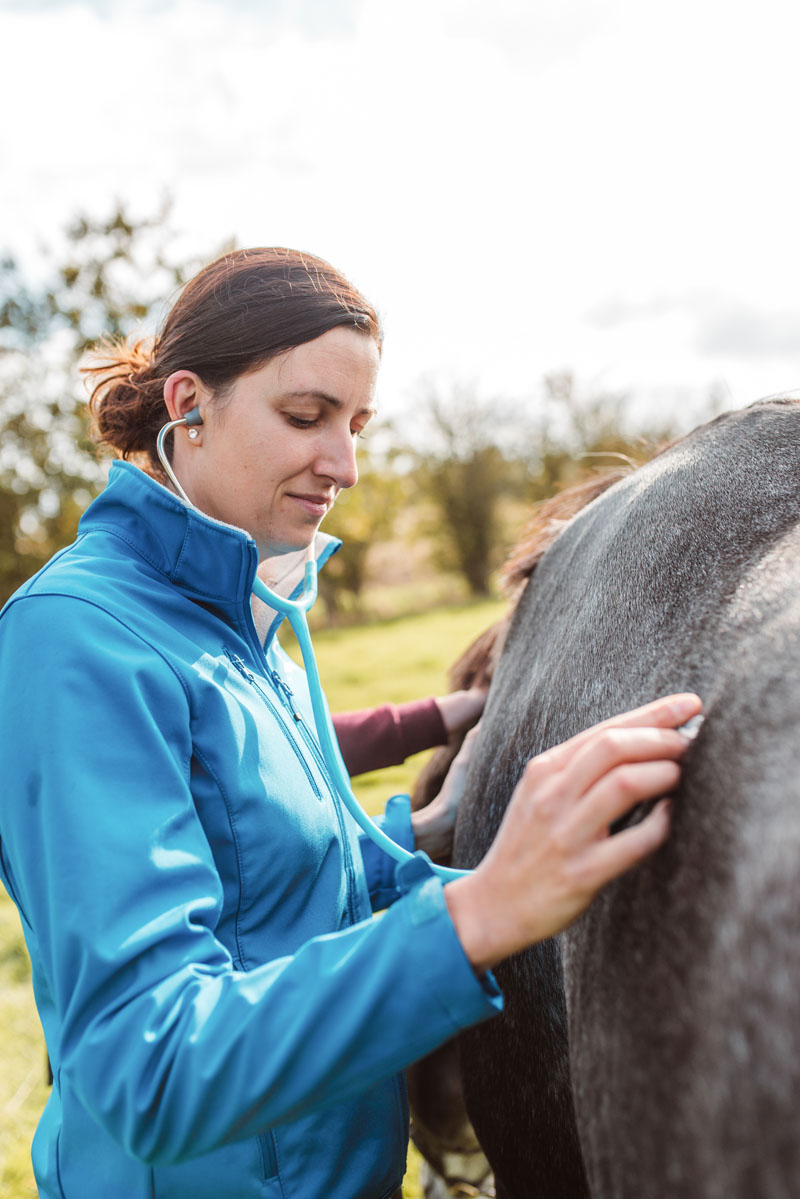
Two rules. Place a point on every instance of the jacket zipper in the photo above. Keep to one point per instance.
(253, 681)
(285, 690)
(269, 1157)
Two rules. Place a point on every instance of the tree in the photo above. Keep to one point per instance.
(481, 458)
(581, 431)
(465, 473)
(110, 277)
(361, 517)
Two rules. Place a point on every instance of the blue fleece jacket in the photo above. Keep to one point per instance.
(224, 1017)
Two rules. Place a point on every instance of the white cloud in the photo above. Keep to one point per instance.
(489, 175)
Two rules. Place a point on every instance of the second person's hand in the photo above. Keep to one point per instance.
(435, 824)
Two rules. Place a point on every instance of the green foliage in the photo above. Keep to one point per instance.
(482, 458)
(466, 493)
(109, 277)
(361, 517)
(578, 432)
(22, 1059)
(465, 474)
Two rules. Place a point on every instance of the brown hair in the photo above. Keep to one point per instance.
(240, 311)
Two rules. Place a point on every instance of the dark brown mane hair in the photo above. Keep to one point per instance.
(548, 519)
(476, 665)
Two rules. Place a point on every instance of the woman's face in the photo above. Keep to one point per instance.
(273, 454)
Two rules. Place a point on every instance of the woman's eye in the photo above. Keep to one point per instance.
(302, 422)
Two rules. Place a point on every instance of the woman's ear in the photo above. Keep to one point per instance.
(183, 390)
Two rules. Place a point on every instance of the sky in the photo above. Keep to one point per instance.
(608, 187)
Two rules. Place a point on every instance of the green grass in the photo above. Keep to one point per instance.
(23, 1093)
(392, 661)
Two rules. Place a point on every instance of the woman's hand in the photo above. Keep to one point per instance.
(553, 852)
(460, 710)
(435, 824)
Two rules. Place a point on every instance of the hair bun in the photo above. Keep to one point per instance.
(126, 399)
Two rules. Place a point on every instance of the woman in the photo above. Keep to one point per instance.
(222, 1016)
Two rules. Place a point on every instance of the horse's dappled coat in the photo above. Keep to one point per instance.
(669, 1015)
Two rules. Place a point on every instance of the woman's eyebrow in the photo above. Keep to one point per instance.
(334, 401)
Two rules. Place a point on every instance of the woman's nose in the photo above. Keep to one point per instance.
(338, 460)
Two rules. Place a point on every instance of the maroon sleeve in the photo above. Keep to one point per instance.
(385, 736)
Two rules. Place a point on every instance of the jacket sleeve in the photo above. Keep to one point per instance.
(379, 868)
(170, 1048)
(373, 738)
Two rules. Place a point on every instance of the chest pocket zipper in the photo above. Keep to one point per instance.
(311, 743)
(308, 740)
(253, 681)
(283, 689)
(269, 1157)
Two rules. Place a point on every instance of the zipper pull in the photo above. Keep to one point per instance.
(288, 693)
(236, 661)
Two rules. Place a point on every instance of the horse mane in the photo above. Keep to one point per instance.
(476, 665)
(552, 515)
(549, 517)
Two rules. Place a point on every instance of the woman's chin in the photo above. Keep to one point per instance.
(278, 549)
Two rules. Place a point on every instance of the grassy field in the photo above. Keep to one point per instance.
(395, 660)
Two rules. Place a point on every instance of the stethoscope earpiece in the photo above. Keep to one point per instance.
(193, 418)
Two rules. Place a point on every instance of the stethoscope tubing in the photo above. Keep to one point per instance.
(295, 611)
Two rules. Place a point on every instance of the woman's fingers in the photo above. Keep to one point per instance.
(560, 784)
(611, 857)
(667, 712)
(553, 851)
(616, 793)
(595, 757)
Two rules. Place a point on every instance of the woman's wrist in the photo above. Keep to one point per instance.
(472, 923)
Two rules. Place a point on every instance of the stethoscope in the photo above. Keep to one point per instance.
(295, 611)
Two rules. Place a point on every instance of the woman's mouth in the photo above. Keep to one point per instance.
(315, 505)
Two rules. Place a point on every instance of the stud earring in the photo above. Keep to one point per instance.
(192, 433)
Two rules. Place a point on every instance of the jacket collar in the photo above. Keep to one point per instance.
(208, 560)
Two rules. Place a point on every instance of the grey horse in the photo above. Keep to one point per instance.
(653, 1050)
